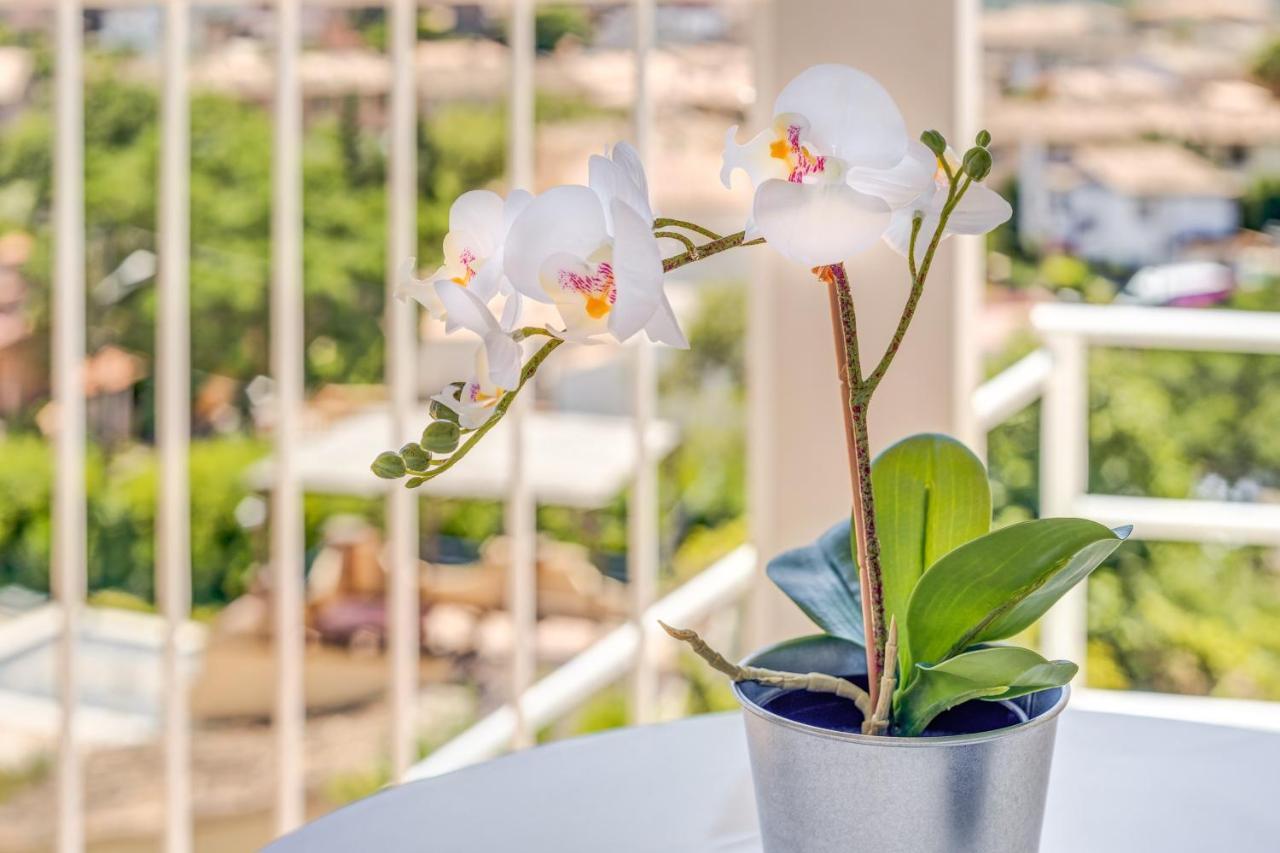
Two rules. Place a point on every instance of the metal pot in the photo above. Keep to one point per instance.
(825, 791)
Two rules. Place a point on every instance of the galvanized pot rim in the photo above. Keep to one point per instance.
(747, 704)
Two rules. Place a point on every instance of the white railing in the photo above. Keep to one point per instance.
(1058, 373)
(287, 347)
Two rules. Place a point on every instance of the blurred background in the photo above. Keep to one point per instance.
(1139, 143)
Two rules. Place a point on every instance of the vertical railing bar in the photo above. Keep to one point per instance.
(1064, 466)
(402, 504)
(642, 511)
(761, 361)
(521, 515)
(173, 423)
(287, 368)
(69, 538)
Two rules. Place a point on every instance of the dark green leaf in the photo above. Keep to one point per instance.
(822, 579)
(932, 496)
(992, 673)
(997, 585)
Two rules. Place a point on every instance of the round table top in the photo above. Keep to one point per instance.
(1120, 784)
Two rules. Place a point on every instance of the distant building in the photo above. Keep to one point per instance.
(1127, 205)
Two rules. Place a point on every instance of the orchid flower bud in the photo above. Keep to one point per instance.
(935, 142)
(415, 457)
(388, 466)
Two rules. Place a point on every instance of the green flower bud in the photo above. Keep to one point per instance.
(441, 412)
(414, 482)
(977, 163)
(388, 466)
(415, 458)
(935, 142)
(441, 437)
(983, 139)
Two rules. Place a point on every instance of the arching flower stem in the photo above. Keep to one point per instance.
(706, 250)
(667, 222)
(697, 253)
(529, 369)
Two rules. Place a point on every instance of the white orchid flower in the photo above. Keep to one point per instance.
(590, 251)
(476, 399)
(473, 248)
(980, 209)
(833, 126)
(465, 310)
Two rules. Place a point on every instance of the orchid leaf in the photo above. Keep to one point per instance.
(997, 585)
(993, 673)
(822, 580)
(932, 496)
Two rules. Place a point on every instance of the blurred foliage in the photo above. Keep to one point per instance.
(1265, 66)
(1172, 616)
(344, 182)
(1261, 202)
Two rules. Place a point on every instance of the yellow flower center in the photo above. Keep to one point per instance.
(597, 306)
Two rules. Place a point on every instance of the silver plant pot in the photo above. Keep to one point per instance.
(825, 791)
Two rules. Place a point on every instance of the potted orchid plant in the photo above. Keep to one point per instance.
(907, 725)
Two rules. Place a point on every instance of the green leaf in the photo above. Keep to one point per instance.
(822, 580)
(932, 496)
(997, 585)
(993, 673)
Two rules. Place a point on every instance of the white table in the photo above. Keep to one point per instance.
(1121, 784)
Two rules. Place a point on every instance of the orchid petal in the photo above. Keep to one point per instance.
(621, 177)
(980, 210)
(753, 157)
(850, 114)
(664, 329)
(818, 224)
(511, 311)
(517, 201)
(504, 357)
(463, 309)
(637, 270)
(478, 215)
(563, 220)
(420, 290)
(569, 281)
(902, 184)
(898, 234)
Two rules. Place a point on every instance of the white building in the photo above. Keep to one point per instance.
(1128, 205)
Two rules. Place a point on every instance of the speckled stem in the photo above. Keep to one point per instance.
(815, 682)
(854, 400)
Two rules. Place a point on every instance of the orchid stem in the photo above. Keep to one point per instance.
(690, 248)
(529, 369)
(855, 398)
(667, 222)
(706, 250)
(814, 682)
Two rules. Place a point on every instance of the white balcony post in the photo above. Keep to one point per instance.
(287, 370)
(69, 548)
(642, 509)
(521, 510)
(926, 53)
(402, 504)
(173, 424)
(1064, 469)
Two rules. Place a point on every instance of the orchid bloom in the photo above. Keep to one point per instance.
(590, 251)
(979, 210)
(473, 250)
(474, 400)
(466, 310)
(835, 130)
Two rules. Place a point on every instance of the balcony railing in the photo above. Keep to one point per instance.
(1056, 373)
